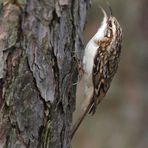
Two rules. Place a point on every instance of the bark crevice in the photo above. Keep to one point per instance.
(39, 41)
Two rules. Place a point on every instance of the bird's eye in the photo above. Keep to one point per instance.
(110, 24)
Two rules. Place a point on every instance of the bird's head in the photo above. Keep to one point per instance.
(110, 22)
(109, 27)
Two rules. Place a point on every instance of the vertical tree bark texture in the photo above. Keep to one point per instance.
(38, 42)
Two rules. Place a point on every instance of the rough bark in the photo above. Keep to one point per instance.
(38, 43)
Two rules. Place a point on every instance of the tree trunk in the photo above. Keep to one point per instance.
(39, 40)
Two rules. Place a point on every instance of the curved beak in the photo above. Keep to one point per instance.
(103, 11)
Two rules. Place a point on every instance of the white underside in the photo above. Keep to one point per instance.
(91, 49)
(88, 60)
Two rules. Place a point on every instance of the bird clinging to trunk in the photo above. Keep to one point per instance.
(100, 63)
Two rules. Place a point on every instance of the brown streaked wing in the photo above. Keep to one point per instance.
(96, 78)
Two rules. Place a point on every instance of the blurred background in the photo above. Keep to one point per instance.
(121, 120)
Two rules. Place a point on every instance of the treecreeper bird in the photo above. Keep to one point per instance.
(100, 63)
